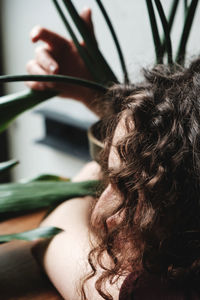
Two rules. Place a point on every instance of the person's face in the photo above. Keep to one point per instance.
(110, 198)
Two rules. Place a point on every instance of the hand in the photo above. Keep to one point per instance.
(59, 56)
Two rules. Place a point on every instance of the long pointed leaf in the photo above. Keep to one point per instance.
(45, 177)
(172, 13)
(24, 197)
(82, 52)
(54, 78)
(13, 105)
(166, 30)
(186, 31)
(7, 165)
(41, 232)
(99, 62)
(154, 29)
(119, 51)
(185, 7)
(171, 18)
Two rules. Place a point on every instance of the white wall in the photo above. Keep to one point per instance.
(132, 25)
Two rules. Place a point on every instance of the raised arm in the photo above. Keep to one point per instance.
(59, 55)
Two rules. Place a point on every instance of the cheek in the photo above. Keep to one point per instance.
(107, 203)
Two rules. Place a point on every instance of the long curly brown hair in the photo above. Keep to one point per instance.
(159, 231)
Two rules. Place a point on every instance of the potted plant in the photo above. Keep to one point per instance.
(103, 77)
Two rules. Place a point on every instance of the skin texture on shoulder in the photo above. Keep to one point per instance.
(65, 258)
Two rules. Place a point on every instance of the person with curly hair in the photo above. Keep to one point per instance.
(140, 239)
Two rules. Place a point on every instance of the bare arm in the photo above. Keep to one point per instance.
(65, 258)
(59, 55)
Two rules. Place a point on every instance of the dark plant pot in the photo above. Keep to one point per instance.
(95, 138)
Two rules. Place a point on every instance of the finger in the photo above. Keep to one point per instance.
(51, 38)
(34, 68)
(86, 16)
(35, 85)
(46, 61)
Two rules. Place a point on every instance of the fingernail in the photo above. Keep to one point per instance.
(35, 32)
(85, 8)
(52, 68)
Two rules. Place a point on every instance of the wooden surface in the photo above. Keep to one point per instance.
(21, 276)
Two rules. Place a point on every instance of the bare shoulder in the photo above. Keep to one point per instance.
(70, 214)
(65, 257)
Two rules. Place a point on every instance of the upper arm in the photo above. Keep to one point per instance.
(65, 258)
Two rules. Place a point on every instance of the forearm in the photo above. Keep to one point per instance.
(58, 55)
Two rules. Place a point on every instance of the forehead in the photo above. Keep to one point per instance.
(120, 132)
(121, 129)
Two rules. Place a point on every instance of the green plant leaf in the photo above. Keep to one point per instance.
(54, 78)
(24, 197)
(41, 232)
(112, 31)
(185, 7)
(180, 58)
(13, 105)
(105, 72)
(155, 33)
(172, 13)
(45, 177)
(7, 165)
(81, 50)
(171, 18)
(166, 30)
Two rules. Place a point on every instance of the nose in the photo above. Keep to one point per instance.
(107, 193)
(108, 201)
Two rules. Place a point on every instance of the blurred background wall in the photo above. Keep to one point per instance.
(131, 22)
(4, 155)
